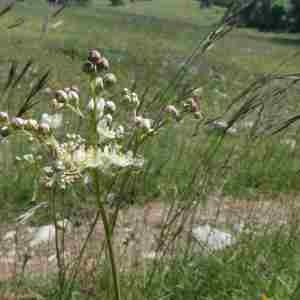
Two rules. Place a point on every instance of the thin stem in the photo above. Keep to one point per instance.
(60, 263)
(108, 238)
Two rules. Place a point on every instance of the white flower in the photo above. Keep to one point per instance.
(54, 121)
(104, 131)
(48, 170)
(113, 157)
(79, 155)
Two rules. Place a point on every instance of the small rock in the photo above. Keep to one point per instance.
(212, 238)
(221, 126)
(10, 235)
(42, 234)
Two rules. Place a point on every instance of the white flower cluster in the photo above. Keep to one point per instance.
(103, 147)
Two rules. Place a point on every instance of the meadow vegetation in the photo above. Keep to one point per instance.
(210, 137)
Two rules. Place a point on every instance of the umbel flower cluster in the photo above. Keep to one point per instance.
(102, 142)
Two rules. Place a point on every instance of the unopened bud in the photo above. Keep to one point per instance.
(110, 79)
(32, 124)
(18, 123)
(108, 118)
(89, 68)
(110, 106)
(73, 96)
(99, 85)
(61, 96)
(57, 105)
(172, 110)
(4, 118)
(94, 56)
(103, 64)
(44, 128)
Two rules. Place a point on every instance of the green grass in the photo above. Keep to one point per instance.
(147, 42)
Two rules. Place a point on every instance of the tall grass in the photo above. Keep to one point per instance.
(187, 164)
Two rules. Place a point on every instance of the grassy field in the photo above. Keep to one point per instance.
(147, 42)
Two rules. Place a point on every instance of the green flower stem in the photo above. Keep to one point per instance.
(104, 217)
(108, 237)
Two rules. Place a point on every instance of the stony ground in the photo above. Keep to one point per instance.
(31, 250)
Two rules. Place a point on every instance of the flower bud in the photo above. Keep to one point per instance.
(94, 56)
(75, 88)
(48, 91)
(172, 110)
(44, 128)
(91, 105)
(103, 64)
(120, 131)
(4, 131)
(198, 115)
(125, 91)
(191, 105)
(57, 105)
(100, 105)
(73, 96)
(135, 99)
(197, 92)
(89, 68)
(110, 106)
(110, 79)
(99, 85)
(61, 96)
(18, 123)
(108, 118)
(143, 123)
(31, 124)
(4, 118)
(59, 165)
(127, 98)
